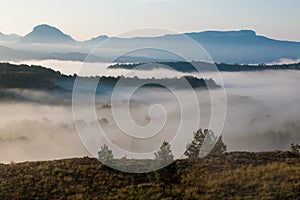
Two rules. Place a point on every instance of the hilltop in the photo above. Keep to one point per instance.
(47, 34)
(238, 175)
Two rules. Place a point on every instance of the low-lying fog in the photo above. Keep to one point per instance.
(262, 115)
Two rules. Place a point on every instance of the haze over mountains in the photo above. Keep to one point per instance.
(45, 34)
(47, 42)
(11, 37)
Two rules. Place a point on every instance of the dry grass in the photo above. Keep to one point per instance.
(273, 175)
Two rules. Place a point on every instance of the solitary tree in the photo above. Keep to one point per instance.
(164, 161)
(164, 156)
(219, 147)
(105, 155)
(205, 142)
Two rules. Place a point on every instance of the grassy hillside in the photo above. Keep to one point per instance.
(271, 175)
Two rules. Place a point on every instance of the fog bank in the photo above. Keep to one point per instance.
(262, 115)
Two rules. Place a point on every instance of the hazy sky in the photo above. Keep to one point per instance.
(89, 18)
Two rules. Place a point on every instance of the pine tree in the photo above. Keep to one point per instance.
(164, 161)
(164, 156)
(194, 148)
(219, 147)
(205, 142)
(105, 155)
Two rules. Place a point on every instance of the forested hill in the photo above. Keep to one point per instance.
(202, 66)
(28, 77)
(40, 78)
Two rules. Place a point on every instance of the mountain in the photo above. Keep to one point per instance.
(9, 54)
(96, 40)
(243, 46)
(47, 34)
(9, 38)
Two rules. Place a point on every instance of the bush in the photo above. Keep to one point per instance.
(295, 148)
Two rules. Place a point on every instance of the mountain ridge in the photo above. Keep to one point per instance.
(242, 46)
(9, 37)
(240, 32)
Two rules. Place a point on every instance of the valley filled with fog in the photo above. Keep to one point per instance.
(262, 114)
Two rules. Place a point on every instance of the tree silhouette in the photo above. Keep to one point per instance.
(219, 147)
(164, 156)
(204, 142)
(105, 155)
(164, 161)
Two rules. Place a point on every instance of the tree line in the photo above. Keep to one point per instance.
(205, 142)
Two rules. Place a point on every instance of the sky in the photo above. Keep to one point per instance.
(277, 19)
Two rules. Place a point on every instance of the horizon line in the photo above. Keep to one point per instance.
(154, 36)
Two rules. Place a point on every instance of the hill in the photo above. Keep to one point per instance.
(19, 55)
(28, 77)
(43, 79)
(203, 66)
(38, 77)
(47, 34)
(9, 38)
(239, 175)
(245, 46)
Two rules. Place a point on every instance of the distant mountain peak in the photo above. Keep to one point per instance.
(250, 32)
(225, 33)
(96, 40)
(9, 38)
(100, 37)
(47, 34)
(44, 28)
